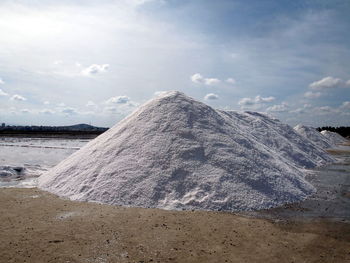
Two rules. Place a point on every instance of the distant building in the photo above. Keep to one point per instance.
(3, 125)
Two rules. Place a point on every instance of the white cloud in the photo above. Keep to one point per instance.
(199, 79)
(283, 107)
(347, 83)
(325, 110)
(137, 3)
(305, 108)
(47, 111)
(298, 111)
(246, 102)
(95, 69)
(254, 101)
(118, 100)
(312, 95)
(61, 104)
(2, 93)
(345, 105)
(69, 111)
(231, 81)
(90, 104)
(122, 109)
(120, 105)
(25, 111)
(1, 81)
(89, 112)
(325, 83)
(158, 93)
(46, 102)
(211, 96)
(58, 62)
(211, 81)
(111, 109)
(264, 100)
(18, 97)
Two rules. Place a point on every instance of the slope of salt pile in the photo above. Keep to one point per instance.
(281, 138)
(314, 135)
(334, 137)
(178, 153)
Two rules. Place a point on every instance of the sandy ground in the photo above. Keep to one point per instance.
(36, 226)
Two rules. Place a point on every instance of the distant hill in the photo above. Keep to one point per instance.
(82, 127)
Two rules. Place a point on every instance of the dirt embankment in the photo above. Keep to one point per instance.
(38, 227)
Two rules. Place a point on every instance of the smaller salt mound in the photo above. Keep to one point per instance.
(334, 137)
(314, 135)
(281, 138)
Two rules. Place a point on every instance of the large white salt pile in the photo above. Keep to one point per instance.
(175, 152)
(334, 137)
(314, 135)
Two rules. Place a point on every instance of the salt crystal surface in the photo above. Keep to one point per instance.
(334, 137)
(177, 153)
(281, 138)
(314, 135)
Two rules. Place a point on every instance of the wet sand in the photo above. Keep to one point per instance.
(36, 226)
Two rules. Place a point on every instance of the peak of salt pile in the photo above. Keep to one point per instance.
(314, 135)
(174, 152)
(334, 137)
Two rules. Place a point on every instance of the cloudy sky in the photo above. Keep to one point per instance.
(93, 61)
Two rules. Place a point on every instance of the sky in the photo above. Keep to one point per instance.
(95, 61)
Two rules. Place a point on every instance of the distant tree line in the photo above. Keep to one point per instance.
(343, 131)
(80, 130)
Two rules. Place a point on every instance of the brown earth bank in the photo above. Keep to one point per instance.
(339, 151)
(36, 226)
